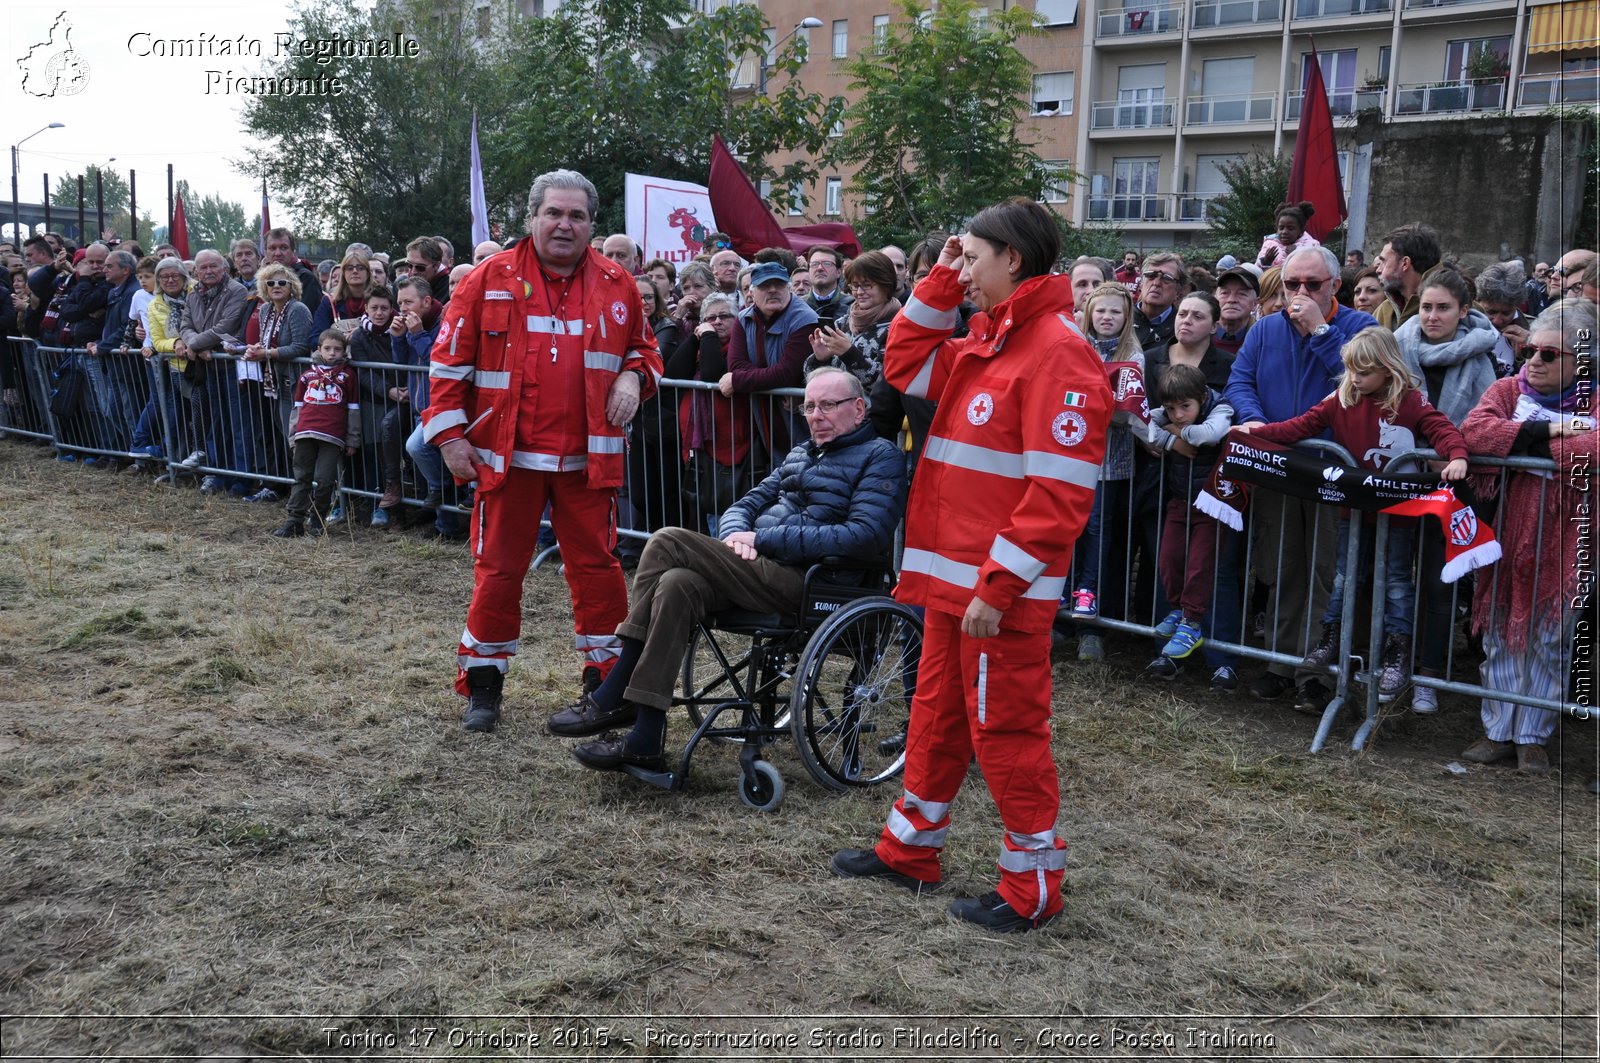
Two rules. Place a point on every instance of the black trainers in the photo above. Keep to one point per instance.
(290, 529)
(1326, 649)
(992, 913)
(610, 753)
(1312, 697)
(483, 705)
(584, 718)
(1163, 668)
(865, 863)
(1271, 686)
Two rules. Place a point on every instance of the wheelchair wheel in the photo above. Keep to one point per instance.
(852, 696)
(762, 789)
(707, 683)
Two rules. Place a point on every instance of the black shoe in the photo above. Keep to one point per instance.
(610, 753)
(1326, 649)
(1312, 697)
(1163, 668)
(894, 745)
(1271, 686)
(290, 529)
(1396, 672)
(483, 706)
(584, 718)
(993, 913)
(864, 863)
(434, 500)
(591, 679)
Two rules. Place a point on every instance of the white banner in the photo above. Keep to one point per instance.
(669, 219)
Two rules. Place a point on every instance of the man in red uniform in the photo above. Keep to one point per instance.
(540, 363)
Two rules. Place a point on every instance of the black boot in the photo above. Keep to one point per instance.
(483, 704)
(1325, 650)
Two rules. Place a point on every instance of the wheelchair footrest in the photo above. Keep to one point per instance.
(664, 780)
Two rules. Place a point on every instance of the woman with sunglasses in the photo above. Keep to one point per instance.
(1527, 605)
(345, 301)
(286, 332)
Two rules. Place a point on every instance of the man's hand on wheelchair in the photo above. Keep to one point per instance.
(742, 543)
(982, 620)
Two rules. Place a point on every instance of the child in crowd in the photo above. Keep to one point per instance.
(384, 399)
(1190, 427)
(1108, 324)
(325, 427)
(1376, 413)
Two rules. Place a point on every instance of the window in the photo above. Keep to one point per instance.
(764, 190)
(1225, 86)
(1383, 64)
(485, 23)
(870, 203)
(880, 31)
(841, 38)
(835, 192)
(1056, 189)
(1058, 12)
(1052, 93)
(797, 199)
(1476, 59)
(1141, 96)
(980, 19)
(1338, 77)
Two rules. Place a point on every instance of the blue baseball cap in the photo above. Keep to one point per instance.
(768, 272)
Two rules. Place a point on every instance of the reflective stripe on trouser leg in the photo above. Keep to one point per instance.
(584, 520)
(938, 750)
(505, 527)
(1013, 748)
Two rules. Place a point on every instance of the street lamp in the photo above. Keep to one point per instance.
(807, 23)
(16, 209)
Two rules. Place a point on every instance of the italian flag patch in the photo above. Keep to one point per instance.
(1075, 398)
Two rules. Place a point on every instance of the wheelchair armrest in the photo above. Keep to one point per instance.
(820, 595)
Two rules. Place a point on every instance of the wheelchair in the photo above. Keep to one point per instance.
(837, 678)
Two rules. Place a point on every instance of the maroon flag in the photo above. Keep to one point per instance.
(1314, 177)
(179, 236)
(1127, 390)
(743, 214)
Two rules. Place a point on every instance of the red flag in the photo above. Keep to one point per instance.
(1315, 175)
(179, 236)
(744, 216)
(266, 222)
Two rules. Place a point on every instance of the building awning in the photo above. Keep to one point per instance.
(1571, 26)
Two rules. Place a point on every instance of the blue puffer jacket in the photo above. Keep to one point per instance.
(843, 499)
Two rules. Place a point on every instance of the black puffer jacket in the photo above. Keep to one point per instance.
(839, 500)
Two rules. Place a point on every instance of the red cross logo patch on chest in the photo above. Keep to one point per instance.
(981, 408)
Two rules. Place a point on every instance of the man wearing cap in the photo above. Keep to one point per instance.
(768, 350)
(1238, 290)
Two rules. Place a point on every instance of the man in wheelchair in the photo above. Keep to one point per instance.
(838, 495)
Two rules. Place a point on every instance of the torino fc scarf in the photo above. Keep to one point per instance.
(1249, 461)
(1127, 392)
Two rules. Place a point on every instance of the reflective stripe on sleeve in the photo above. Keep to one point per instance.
(442, 420)
(928, 563)
(488, 378)
(918, 388)
(607, 444)
(979, 459)
(491, 459)
(1016, 560)
(446, 371)
(920, 313)
(1075, 471)
(602, 360)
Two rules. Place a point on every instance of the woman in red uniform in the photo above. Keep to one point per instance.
(1005, 485)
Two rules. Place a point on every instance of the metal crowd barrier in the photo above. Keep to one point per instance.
(674, 478)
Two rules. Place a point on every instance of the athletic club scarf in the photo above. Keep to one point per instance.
(1127, 391)
(1249, 461)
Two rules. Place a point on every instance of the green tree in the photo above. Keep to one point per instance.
(642, 86)
(386, 159)
(1247, 211)
(117, 197)
(937, 129)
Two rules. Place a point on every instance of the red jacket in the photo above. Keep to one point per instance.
(1370, 437)
(1009, 471)
(481, 357)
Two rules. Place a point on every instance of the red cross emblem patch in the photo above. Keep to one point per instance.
(981, 408)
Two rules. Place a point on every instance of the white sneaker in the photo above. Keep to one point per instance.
(195, 459)
(1424, 701)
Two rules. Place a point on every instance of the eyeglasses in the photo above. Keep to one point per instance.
(1575, 288)
(1529, 352)
(862, 287)
(822, 406)
(717, 317)
(1158, 275)
(278, 283)
(1309, 287)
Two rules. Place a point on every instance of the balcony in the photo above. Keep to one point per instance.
(1229, 110)
(1308, 10)
(1210, 14)
(1415, 5)
(1149, 114)
(1192, 206)
(1140, 22)
(1129, 208)
(1344, 104)
(1553, 90)
(1465, 97)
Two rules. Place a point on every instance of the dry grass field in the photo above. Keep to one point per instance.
(238, 819)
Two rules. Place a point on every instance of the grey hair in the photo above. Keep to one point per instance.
(1503, 282)
(696, 269)
(124, 259)
(1574, 319)
(171, 263)
(857, 389)
(209, 251)
(1330, 261)
(719, 298)
(568, 179)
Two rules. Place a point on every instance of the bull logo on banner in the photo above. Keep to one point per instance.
(693, 233)
(671, 220)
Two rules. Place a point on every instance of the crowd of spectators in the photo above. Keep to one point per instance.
(194, 371)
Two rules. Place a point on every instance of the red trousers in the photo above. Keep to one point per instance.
(989, 697)
(505, 529)
(1188, 559)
